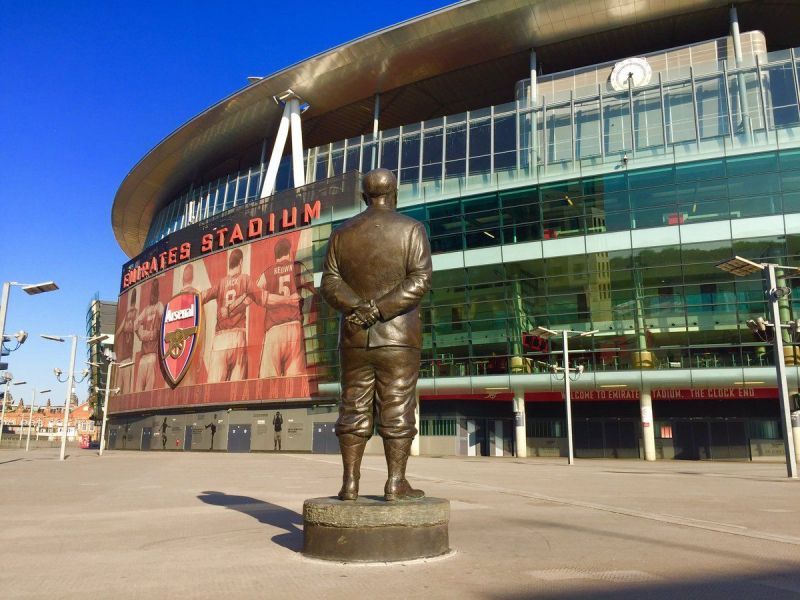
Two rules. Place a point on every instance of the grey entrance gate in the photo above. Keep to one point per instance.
(239, 438)
(187, 438)
(147, 435)
(324, 439)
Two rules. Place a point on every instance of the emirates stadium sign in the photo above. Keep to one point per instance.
(283, 212)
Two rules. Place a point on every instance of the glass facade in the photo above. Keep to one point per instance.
(678, 117)
(667, 299)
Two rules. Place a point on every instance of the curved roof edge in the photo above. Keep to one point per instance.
(456, 36)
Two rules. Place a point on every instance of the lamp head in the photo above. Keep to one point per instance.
(84, 373)
(57, 372)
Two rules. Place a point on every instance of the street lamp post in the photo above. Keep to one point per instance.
(29, 288)
(742, 267)
(70, 380)
(8, 378)
(568, 371)
(30, 419)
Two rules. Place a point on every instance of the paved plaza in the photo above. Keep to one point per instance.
(203, 525)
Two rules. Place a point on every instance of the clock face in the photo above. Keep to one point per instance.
(637, 69)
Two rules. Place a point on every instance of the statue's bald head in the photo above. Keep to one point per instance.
(379, 187)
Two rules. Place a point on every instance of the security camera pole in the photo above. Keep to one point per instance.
(742, 267)
(111, 364)
(70, 380)
(7, 378)
(578, 370)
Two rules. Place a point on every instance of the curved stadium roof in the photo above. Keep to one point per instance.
(425, 67)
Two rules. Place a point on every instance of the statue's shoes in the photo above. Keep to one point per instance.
(349, 490)
(401, 490)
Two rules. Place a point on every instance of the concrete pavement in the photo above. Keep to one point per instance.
(203, 525)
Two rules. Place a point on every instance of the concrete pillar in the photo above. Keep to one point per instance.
(415, 442)
(796, 431)
(648, 428)
(740, 80)
(532, 99)
(376, 116)
(270, 177)
(298, 169)
(520, 437)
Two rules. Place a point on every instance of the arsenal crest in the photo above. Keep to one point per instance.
(179, 335)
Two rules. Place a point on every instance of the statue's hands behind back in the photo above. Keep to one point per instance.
(364, 315)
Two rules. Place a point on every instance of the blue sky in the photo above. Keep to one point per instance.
(87, 89)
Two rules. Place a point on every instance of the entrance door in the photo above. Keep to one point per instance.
(147, 435)
(239, 438)
(324, 440)
(702, 439)
(112, 439)
(187, 438)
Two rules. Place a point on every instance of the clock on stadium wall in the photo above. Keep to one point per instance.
(638, 69)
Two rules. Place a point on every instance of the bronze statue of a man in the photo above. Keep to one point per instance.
(377, 269)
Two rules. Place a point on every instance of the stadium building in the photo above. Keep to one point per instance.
(579, 165)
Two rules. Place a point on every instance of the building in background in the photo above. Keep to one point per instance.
(47, 423)
(100, 320)
(578, 165)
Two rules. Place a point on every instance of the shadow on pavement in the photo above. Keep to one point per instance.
(775, 585)
(266, 513)
(688, 547)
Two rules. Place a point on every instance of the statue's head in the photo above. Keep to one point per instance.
(379, 187)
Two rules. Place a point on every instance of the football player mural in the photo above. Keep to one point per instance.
(238, 317)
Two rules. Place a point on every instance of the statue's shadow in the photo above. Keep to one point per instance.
(266, 513)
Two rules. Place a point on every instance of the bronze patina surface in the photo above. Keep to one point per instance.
(377, 269)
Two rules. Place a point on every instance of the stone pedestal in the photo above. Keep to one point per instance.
(373, 530)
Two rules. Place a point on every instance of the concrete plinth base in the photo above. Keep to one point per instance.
(373, 530)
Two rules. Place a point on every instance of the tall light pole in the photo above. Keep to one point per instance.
(29, 288)
(8, 378)
(70, 379)
(111, 364)
(30, 419)
(568, 371)
(741, 267)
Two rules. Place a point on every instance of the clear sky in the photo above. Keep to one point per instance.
(86, 89)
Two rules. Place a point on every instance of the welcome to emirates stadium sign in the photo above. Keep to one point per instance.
(285, 211)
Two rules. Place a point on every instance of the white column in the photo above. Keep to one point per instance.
(520, 436)
(298, 170)
(648, 428)
(268, 187)
(376, 116)
(415, 441)
(796, 430)
(568, 398)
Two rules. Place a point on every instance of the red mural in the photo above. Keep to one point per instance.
(234, 326)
